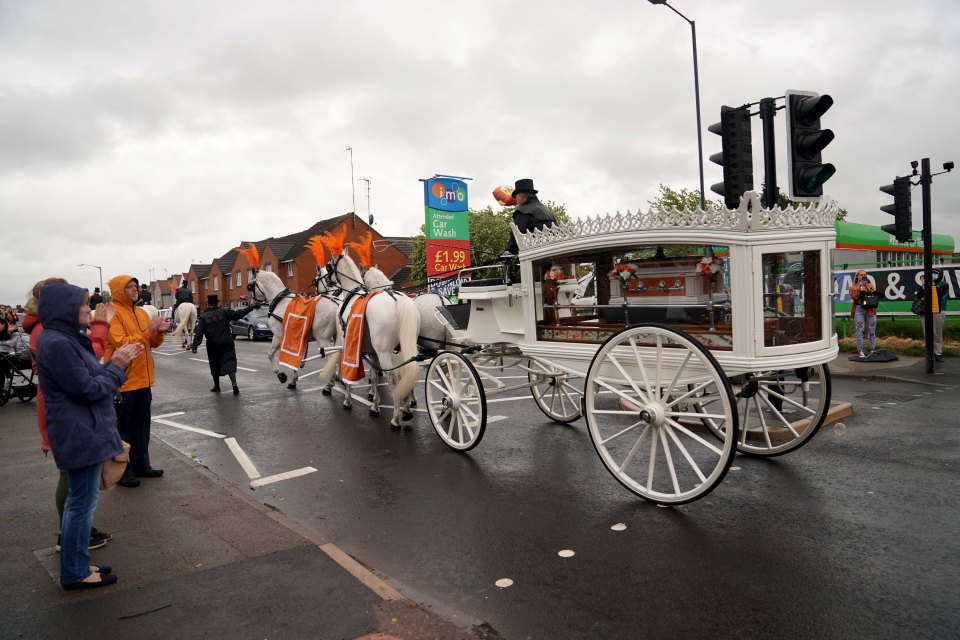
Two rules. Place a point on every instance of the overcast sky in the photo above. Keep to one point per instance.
(143, 136)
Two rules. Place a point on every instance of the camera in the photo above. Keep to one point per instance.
(948, 166)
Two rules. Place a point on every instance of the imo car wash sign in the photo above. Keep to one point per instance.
(447, 226)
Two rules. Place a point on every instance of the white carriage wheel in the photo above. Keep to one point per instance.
(557, 397)
(780, 410)
(456, 402)
(637, 392)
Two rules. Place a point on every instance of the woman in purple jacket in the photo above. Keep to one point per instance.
(81, 420)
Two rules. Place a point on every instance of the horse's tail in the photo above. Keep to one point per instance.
(408, 329)
(184, 323)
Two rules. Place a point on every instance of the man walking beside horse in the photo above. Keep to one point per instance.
(214, 325)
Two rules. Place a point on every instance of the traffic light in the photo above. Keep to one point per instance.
(901, 210)
(805, 141)
(737, 155)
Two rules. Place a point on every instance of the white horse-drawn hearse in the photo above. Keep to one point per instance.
(709, 332)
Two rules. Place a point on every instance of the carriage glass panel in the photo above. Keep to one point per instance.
(792, 298)
(587, 297)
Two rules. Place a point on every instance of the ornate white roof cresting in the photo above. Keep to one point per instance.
(749, 216)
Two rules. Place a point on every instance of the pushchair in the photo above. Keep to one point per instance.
(16, 373)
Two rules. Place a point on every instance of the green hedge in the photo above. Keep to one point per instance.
(902, 327)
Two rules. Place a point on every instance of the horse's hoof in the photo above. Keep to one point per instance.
(282, 377)
(373, 413)
(370, 397)
(348, 406)
(394, 427)
(407, 415)
(326, 392)
(413, 403)
(292, 385)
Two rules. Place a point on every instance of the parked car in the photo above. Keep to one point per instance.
(254, 325)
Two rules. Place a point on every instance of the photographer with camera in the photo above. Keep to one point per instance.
(863, 310)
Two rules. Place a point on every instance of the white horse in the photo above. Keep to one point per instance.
(391, 320)
(186, 322)
(437, 334)
(151, 310)
(267, 288)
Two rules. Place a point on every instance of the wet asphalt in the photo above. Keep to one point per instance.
(854, 535)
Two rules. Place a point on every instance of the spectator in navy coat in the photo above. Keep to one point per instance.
(81, 421)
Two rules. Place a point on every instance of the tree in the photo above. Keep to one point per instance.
(690, 199)
(489, 234)
(681, 199)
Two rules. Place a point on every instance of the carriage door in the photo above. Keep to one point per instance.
(791, 294)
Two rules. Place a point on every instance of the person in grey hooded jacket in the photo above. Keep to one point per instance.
(81, 421)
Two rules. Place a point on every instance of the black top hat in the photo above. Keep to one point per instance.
(213, 300)
(524, 185)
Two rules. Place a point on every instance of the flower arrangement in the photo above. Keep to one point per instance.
(624, 272)
(709, 266)
(554, 273)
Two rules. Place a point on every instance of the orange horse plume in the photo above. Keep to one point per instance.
(316, 245)
(334, 240)
(251, 254)
(362, 249)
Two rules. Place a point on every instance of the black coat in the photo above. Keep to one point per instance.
(214, 325)
(531, 215)
(183, 295)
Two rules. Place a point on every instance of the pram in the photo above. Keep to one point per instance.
(14, 361)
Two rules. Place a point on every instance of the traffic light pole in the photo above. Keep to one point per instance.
(768, 110)
(928, 285)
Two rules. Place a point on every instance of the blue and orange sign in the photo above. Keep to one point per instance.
(447, 225)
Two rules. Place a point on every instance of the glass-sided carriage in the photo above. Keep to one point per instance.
(680, 336)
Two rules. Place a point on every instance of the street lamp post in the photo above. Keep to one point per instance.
(98, 269)
(696, 91)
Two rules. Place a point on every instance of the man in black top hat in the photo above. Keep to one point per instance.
(214, 324)
(145, 296)
(183, 294)
(530, 213)
(96, 298)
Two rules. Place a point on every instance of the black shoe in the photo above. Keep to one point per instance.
(104, 570)
(128, 481)
(100, 535)
(236, 390)
(95, 543)
(149, 473)
(215, 390)
(103, 582)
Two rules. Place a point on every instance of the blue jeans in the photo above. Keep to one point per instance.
(861, 318)
(82, 495)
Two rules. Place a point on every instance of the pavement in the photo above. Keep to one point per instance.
(199, 558)
(196, 558)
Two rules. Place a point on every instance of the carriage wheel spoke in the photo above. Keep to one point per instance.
(679, 427)
(652, 465)
(791, 401)
(643, 370)
(783, 419)
(692, 392)
(628, 379)
(685, 453)
(624, 431)
(669, 458)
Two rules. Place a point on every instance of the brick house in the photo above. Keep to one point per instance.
(288, 257)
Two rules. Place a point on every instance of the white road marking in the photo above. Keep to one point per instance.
(307, 375)
(171, 423)
(169, 415)
(245, 369)
(282, 476)
(200, 360)
(242, 458)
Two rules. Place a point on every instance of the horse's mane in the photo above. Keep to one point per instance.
(348, 273)
(376, 279)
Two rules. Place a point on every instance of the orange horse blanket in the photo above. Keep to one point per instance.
(297, 324)
(351, 365)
